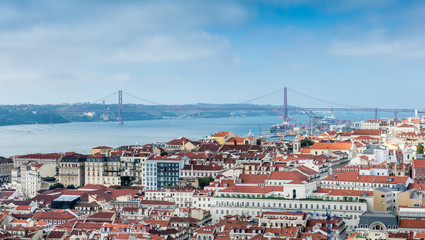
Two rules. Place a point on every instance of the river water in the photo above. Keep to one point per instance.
(81, 137)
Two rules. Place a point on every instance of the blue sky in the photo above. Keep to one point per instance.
(357, 53)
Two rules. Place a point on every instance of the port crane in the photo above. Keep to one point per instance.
(312, 118)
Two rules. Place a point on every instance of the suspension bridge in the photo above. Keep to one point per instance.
(242, 106)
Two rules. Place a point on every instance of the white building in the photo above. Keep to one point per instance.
(163, 171)
(252, 206)
(29, 178)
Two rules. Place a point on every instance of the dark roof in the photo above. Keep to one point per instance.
(55, 234)
(385, 217)
(155, 202)
(5, 160)
(107, 216)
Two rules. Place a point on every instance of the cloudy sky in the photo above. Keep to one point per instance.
(357, 53)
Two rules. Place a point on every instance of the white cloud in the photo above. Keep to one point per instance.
(376, 44)
(51, 45)
(172, 48)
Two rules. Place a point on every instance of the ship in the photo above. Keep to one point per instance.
(329, 120)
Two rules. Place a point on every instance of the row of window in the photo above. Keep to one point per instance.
(289, 205)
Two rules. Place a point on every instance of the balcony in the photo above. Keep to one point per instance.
(111, 170)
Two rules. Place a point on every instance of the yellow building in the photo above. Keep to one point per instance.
(320, 148)
(103, 150)
(384, 199)
(411, 198)
(103, 170)
(240, 141)
(222, 137)
(71, 170)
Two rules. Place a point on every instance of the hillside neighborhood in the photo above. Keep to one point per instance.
(365, 183)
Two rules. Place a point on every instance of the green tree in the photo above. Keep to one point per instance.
(56, 185)
(49, 179)
(205, 181)
(420, 148)
(116, 186)
(71, 187)
(164, 153)
(306, 142)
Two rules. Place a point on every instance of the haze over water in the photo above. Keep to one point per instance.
(81, 137)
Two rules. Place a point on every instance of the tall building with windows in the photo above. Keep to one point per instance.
(103, 170)
(6, 165)
(29, 178)
(163, 171)
(133, 164)
(71, 170)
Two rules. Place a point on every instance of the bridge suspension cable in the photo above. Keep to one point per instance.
(263, 96)
(321, 100)
(101, 99)
(143, 99)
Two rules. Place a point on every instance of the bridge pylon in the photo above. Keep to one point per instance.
(120, 121)
(285, 103)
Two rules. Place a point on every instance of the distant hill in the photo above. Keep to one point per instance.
(86, 112)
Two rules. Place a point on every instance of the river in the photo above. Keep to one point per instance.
(81, 137)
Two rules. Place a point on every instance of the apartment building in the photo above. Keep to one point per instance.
(355, 181)
(103, 170)
(6, 165)
(72, 170)
(133, 164)
(49, 158)
(199, 170)
(373, 124)
(256, 205)
(29, 178)
(163, 171)
(384, 199)
(102, 150)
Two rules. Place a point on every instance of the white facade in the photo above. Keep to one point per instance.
(179, 198)
(374, 171)
(381, 155)
(254, 207)
(134, 167)
(299, 191)
(370, 125)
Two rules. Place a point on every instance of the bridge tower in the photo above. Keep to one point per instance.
(285, 103)
(376, 113)
(120, 107)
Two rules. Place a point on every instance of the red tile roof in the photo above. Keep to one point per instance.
(102, 147)
(332, 146)
(221, 134)
(419, 163)
(155, 202)
(253, 178)
(253, 189)
(40, 156)
(411, 223)
(288, 175)
(54, 216)
(371, 132)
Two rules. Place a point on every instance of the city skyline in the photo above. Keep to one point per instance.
(354, 53)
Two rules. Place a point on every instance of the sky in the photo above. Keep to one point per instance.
(346, 53)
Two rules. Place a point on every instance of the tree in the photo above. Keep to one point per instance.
(71, 187)
(116, 186)
(49, 179)
(205, 181)
(56, 185)
(420, 148)
(306, 142)
(164, 153)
